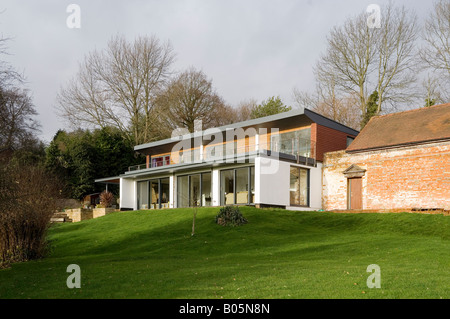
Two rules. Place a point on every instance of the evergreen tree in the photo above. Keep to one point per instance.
(271, 106)
(430, 102)
(82, 156)
(371, 108)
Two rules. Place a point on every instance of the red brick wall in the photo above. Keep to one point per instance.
(406, 177)
(327, 140)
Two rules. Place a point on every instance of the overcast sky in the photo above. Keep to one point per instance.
(249, 48)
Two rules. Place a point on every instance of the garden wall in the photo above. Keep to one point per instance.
(403, 177)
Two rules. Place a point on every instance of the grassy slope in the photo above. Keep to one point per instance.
(278, 254)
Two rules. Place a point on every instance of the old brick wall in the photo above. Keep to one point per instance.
(406, 177)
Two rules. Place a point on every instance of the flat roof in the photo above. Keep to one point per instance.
(270, 121)
(248, 123)
(108, 180)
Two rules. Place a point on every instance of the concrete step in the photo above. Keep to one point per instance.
(60, 218)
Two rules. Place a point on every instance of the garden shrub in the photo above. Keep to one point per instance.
(230, 216)
(28, 197)
(106, 199)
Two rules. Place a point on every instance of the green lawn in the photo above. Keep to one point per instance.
(278, 254)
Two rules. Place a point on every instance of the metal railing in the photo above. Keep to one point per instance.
(137, 167)
(290, 146)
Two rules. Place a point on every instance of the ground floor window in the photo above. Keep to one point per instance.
(237, 185)
(299, 186)
(153, 194)
(194, 190)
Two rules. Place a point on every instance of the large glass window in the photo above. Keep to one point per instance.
(154, 194)
(242, 185)
(294, 142)
(194, 190)
(160, 161)
(206, 189)
(227, 186)
(165, 192)
(142, 195)
(183, 191)
(299, 186)
(237, 186)
(252, 184)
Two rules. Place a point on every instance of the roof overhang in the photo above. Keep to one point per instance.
(108, 180)
(286, 120)
(192, 166)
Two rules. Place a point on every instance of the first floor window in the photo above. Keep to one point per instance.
(160, 161)
(299, 186)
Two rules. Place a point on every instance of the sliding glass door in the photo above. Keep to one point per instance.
(153, 194)
(242, 185)
(183, 191)
(206, 193)
(194, 190)
(237, 185)
(227, 187)
(299, 186)
(142, 198)
(165, 192)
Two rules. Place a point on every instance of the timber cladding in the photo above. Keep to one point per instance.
(327, 140)
(404, 177)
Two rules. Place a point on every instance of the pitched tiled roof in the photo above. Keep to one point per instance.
(410, 127)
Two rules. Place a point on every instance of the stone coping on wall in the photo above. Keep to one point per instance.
(394, 210)
(79, 214)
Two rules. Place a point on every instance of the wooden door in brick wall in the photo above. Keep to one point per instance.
(354, 193)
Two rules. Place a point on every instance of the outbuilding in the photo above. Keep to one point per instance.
(398, 161)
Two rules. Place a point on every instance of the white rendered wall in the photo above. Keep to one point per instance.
(272, 183)
(215, 176)
(172, 192)
(316, 187)
(128, 193)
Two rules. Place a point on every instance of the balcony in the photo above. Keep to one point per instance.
(292, 146)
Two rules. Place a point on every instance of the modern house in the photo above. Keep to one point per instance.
(271, 161)
(398, 161)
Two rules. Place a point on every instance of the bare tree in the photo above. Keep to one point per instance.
(224, 114)
(361, 58)
(190, 97)
(328, 102)
(9, 77)
(350, 58)
(117, 86)
(18, 125)
(396, 53)
(227, 114)
(435, 53)
(432, 90)
(244, 109)
(17, 122)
